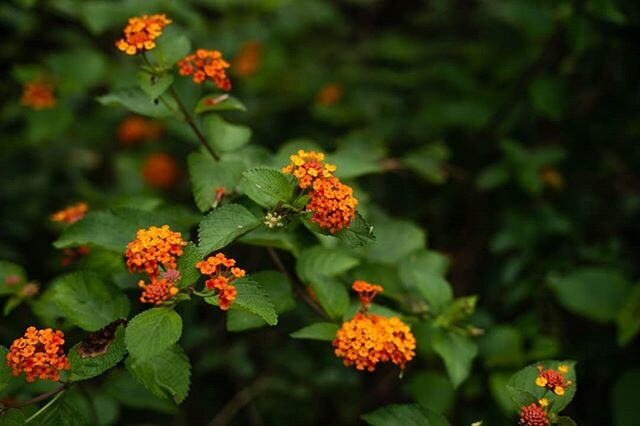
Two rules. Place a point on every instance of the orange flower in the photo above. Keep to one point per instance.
(533, 415)
(157, 291)
(135, 129)
(366, 291)
(160, 170)
(367, 340)
(206, 64)
(308, 167)
(71, 214)
(247, 61)
(553, 380)
(222, 271)
(153, 247)
(552, 178)
(141, 32)
(39, 354)
(38, 95)
(332, 203)
(329, 94)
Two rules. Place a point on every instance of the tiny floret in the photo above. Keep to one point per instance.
(206, 64)
(308, 167)
(152, 248)
(39, 355)
(222, 272)
(141, 32)
(71, 214)
(273, 220)
(157, 291)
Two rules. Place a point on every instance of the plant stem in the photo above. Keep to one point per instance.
(189, 119)
(297, 285)
(242, 398)
(39, 398)
(47, 405)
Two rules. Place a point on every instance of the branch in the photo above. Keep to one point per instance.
(297, 285)
(38, 398)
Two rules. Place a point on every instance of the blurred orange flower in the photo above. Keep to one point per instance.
(247, 61)
(136, 129)
(71, 214)
(160, 170)
(38, 94)
(330, 94)
(206, 64)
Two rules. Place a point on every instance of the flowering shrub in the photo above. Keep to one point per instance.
(215, 212)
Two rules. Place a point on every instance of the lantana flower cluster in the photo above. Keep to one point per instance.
(534, 414)
(135, 129)
(331, 202)
(38, 95)
(38, 354)
(206, 64)
(141, 32)
(553, 380)
(369, 339)
(71, 214)
(222, 272)
(156, 248)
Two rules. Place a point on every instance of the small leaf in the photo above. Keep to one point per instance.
(152, 332)
(521, 397)
(166, 375)
(628, 318)
(219, 102)
(318, 331)
(418, 271)
(154, 85)
(457, 352)
(359, 233)
(267, 187)
(187, 265)
(83, 368)
(12, 417)
(251, 298)
(88, 302)
(5, 371)
(172, 46)
(135, 100)
(565, 421)
(223, 136)
(395, 239)
(324, 261)
(404, 415)
(223, 225)
(428, 162)
(332, 295)
(208, 175)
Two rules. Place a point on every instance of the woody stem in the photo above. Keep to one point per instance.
(297, 285)
(39, 398)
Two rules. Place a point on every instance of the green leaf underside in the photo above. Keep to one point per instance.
(152, 332)
(267, 187)
(136, 100)
(88, 302)
(166, 375)
(404, 415)
(223, 225)
(319, 331)
(83, 368)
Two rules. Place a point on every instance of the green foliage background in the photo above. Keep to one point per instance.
(453, 117)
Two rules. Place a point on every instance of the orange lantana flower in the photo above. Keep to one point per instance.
(247, 61)
(308, 167)
(553, 380)
(160, 170)
(222, 272)
(332, 203)
(71, 214)
(329, 94)
(158, 290)
(38, 94)
(154, 247)
(135, 129)
(141, 32)
(206, 64)
(533, 415)
(39, 354)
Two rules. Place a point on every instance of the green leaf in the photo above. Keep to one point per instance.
(457, 352)
(492, 177)
(135, 100)
(521, 397)
(395, 239)
(208, 175)
(5, 371)
(404, 415)
(625, 398)
(595, 293)
(428, 162)
(565, 421)
(166, 375)
(332, 295)
(219, 102)
(154, 85)
(187, 265)
(83, 368)
(251, 298)
(223, 225)
(12, 417)
(12, 303)
(431, 390)
(323, 261)
(121, 386)
(88, 302)
(628, 318)
(419, 271)
(172, 46)
(524, 382)
(152, 332)
(12, 277)
(359, 233)
(279, 290)
(77, 70)
(223, 136)
(59, 414)
(113, 230)
(548, 96)
(318, 331)
(267, 187)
